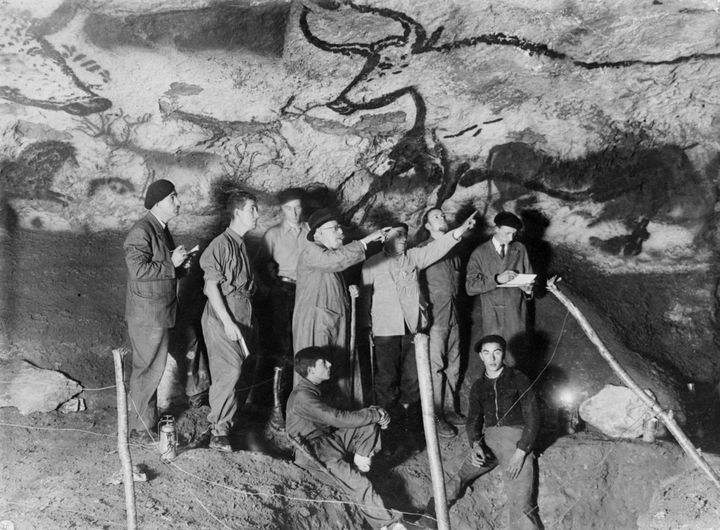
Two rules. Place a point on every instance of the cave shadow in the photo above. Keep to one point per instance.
(9, 242)
(391, 486)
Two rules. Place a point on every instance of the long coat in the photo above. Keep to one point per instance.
(322, 309)
(151, 297)
(497, 310)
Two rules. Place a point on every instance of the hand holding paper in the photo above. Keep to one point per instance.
(520, 280)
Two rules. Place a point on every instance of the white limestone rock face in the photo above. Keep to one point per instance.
(33, 389)
(616, 411)
(601, 118)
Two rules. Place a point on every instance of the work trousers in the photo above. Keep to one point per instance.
(330, 464)
(225, 358)
(396, 378)
(282, 303)
(149, 355)
(445, 364)
(502, 441)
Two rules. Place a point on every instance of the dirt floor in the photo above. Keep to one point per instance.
(62, 302)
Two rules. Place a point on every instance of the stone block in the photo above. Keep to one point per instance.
(33, 389)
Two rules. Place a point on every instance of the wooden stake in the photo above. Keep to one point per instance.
(123, 449)
(666, 418)
(422, 359)
(356, 388)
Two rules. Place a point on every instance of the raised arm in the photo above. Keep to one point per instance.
(317, 257)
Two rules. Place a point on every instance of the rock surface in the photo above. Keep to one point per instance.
(616, 411)
(599, 119)
(33, 389)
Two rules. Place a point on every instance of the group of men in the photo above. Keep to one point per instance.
(404, 291)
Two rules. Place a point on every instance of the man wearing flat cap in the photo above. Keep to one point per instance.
(153, 264)
(322, 299)
(500, 310)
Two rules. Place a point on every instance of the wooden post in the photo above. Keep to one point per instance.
(356, 388)
(666, 418)
(123, 449)
(422, 359)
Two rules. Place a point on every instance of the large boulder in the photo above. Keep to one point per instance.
(33, 389)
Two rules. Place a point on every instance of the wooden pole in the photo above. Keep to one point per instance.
(666, 418)
(356, 388)
(422, 359)
(123, 449)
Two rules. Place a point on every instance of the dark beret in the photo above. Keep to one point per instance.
(157, 191)
(508, 219)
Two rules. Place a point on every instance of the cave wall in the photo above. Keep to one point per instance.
(598, 121)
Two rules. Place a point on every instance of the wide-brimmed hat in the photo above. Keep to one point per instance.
(508, 219)
(319, 218)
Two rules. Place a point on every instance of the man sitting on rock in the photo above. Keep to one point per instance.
(502, 425)
(326, 439)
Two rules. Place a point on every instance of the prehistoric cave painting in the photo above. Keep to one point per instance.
(387, 60)
(393, 54)
(634, 184)
(116, 185)
(31, 174)
(36, 74)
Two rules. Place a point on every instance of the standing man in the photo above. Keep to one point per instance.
(153, 265)
(502, 426)
(322, 302)
(227, 320)
(327, 439)
(397, 311)
(500, 310)
(282, 245)
(441, 283)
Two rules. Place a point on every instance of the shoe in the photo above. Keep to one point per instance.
(362, 463)
(220, 443)
(444, 429)
(199, 400)
(140, 438)
(394, 526)
(455, 418)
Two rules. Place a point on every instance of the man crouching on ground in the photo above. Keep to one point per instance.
(502, 425)
(325, 438)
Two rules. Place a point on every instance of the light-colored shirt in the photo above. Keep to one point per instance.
(283, 243)
(498, 246)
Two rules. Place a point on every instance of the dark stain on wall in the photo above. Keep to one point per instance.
(31, 174)
(260, 29)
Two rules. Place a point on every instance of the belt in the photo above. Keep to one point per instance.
(286, 279)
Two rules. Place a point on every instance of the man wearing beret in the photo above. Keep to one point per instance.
(322, 299)
(153, 264)
(500, 310)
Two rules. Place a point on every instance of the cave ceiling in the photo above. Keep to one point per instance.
(600, 118)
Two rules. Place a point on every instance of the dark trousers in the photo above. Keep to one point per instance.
(396, 379)
(522, 511)
(282, 303)
(330, 464)
(150, 349)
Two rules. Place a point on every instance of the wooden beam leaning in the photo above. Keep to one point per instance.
(666, 418)
(123, 449)
(422, 359)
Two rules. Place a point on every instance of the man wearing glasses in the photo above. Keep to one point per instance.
(322, 299)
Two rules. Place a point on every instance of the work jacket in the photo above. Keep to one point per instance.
(390, 285)
(506, 401)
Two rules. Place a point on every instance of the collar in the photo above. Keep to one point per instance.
(290, 229)
(162, 225)
(233, 234)
(496, 244)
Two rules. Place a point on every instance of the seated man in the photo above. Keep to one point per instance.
(502, 425)
(324, 437)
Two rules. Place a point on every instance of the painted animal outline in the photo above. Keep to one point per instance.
(36, 74)
(395, 52)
